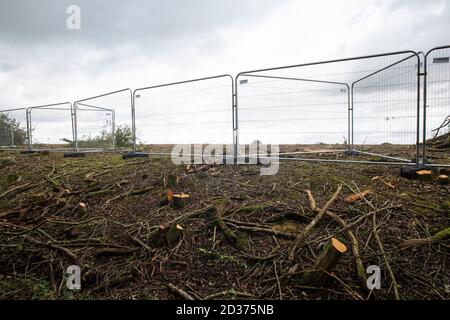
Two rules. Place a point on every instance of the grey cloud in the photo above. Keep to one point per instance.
(104, 23)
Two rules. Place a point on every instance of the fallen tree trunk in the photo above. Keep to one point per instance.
(324, 264)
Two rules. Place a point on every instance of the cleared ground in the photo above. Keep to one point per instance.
(43, 229)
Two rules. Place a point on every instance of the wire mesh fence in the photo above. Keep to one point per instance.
(50, 127)
(104, 122)
(437, 106)
(13, 129)
(385, 108)
(365, 109)
(318, 110)
(198, 111)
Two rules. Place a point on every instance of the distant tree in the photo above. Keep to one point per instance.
(9, 129)
(124, 136)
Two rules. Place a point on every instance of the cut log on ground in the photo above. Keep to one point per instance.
(386, 183)
(324, 264)
(357, 196)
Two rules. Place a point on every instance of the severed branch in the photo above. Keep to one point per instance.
(129, 193)
(264, 230)
(351, 237)
(443, 125)
(230, 292)
(229, 234)
(21, 188)
(313, 223)
(438, 237)
(157, 229)
(388, 266)
(66, 251)
(179, 291)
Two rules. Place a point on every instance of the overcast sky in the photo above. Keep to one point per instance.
(139, 43)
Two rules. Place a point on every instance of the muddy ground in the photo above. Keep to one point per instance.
(101, 213)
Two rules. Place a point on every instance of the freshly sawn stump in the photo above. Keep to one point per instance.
(324, 264)
(179, 200)
(443, 179)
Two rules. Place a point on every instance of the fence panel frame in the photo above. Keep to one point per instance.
(232, 87)
(52, 106)
(81, 103)
(425, 105)
(413, 54)
(350, 108)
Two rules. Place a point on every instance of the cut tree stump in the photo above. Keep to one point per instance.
(166, 234)
(173, 234)
(179, 200)
(443, 179)
(324, 264)
(171, 182)
(82, 207)
(424, 175)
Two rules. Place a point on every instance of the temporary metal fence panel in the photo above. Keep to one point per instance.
(50, 127)
(307, 109)
(385, 108)
(104, 122)
(96, 128)
(13, 129)
(198, 111)
(437, 106)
